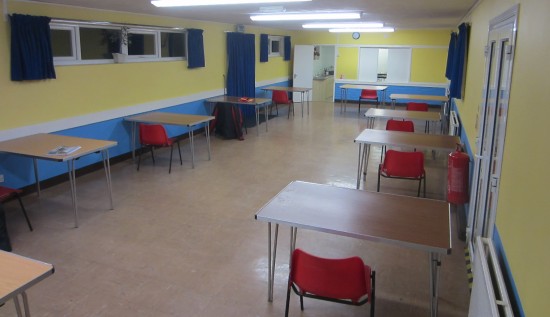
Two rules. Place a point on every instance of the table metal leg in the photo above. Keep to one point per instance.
(207, 133)
(266, 117)
(341, 100)
(359, 165)
(72, 181)
(366, 156)
(271, 256)
(134, 128)
(435, 265)
(107, 167)
(36, 178)
(257, 121)
(307, 100)
(192, 146)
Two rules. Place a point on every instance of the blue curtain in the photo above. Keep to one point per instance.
(459, 61)
(264, 47)
(241, 65)
(450, 56)
(31, 48)
(195, 48)
(287, 48)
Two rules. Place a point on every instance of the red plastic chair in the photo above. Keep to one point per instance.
(154, 135)
(403, 165)
(368, 94)
(397, 125)
(346, 281)
(7, 193)
(419, 106)
(280, 97)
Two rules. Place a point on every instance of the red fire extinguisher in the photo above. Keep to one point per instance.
(458, 177)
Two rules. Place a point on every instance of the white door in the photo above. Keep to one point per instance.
(303, 70)
(492, 125)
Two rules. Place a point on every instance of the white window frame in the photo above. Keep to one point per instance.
(276, 38)
(75, 48)
(76, 58)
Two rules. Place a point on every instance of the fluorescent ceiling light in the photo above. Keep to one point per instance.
(372, 30)
(342, 25)
(188, 3)
(305, 16)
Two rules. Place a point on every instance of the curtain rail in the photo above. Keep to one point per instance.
(105, 23)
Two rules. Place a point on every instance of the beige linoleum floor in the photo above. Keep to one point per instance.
(187, 244)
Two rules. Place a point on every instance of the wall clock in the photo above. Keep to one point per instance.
(356, 35)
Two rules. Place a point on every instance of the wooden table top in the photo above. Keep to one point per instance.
(419, 97)
(19, 273)
(38, 146)
(438, 142)
(290, 89)
(403, 114)
(401, 220)
(170, 118)
(372, 87)
(237, 100)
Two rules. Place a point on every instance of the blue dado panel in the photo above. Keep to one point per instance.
(18, 171)
(353, 94)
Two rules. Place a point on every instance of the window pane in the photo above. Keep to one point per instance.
(275, 46)
(172, 44)
(61, 43)
(141, 44)
(98, 43)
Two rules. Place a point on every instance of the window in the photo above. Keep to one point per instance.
(63, 44)
(275, 46)
(98, 43)
(172, 44)
(89, 43)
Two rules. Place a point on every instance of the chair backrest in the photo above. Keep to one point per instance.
(400, 125)
(280, 97)
(152, 134)
(311, 273)
(417, 106)
(369, 94)
(403, 164)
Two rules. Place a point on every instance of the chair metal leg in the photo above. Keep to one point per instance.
(171, 152)
(24, 211)
(419, 184)
(179, 151)
(378, 185)
(287, 300)
(153, 154)
(373, 288)
(301, 302)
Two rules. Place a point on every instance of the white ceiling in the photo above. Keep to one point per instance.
(401, 14)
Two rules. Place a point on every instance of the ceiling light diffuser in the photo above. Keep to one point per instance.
(364, 30)
(189, 3)
(306, 16)
(342, 25)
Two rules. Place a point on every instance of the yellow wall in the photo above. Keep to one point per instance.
(427, 63)
(85, 89)
(523, 218)
(347, 60)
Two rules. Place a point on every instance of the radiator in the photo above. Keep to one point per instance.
(489, 297)
(454, 124)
